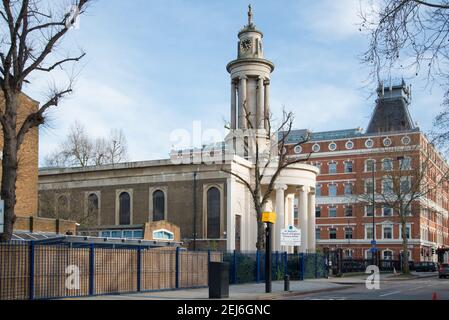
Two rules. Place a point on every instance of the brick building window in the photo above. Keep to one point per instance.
(158, 205)
(387, 255)
(368, 232)
(405, 184)
(332, 168)
(318, 191)
(332, 233)
(348, 233)
(387, 232)
(332, 212)
(370, 165)
(387, 164)
(387, 211)
(93, 207)
(318, 234)
(407, 230)
(63, 207)
(348, 188)
(369, 211)
(348, 211)
(332, 190)
(348, 167)
(405, 163)
(213, 213)
(124, 209)
(318, 212)
(369, 185)
(387, 186)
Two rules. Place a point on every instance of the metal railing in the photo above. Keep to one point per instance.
(49, 271)
(247, 267)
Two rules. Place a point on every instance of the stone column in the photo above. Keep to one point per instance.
(233, 105)
(312, 223)
(303, 215)
(280, 211)
(242, 102)
(267, 103)
(260, 113)
(290, 216)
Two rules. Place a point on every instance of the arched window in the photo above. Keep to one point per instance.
(125, 209)
(63, 207)
(213, 213)
(158, 205)
(92, 207)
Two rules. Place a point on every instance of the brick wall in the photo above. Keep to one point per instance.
(28, 162)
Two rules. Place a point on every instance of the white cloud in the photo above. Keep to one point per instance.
(334, 19)
(325, 107)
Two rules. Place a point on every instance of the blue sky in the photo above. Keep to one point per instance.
(153, 67)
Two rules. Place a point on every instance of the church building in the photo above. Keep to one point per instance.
(212, 207)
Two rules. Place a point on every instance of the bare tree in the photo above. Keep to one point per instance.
(411, 35)
(30, 34)
(116, 147)
(402, 179)
(58, 204)
(79, 150)
(408, 34)
(266, 149)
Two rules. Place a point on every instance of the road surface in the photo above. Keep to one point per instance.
(416, 289)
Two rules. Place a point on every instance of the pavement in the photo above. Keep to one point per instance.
(349, 285)
(252, 291)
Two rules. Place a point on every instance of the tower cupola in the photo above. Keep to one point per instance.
(250, 80)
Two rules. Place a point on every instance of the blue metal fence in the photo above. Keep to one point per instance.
(247, 267)
(48, 271)
(43, 271)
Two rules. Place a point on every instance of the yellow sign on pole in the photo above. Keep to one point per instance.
(269, 217)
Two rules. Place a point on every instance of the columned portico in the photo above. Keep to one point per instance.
(311, 232)
(280, 211)
(303, 217)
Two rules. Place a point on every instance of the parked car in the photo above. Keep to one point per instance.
(425, 267)
(443, 270)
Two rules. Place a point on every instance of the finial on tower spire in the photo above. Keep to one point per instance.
(250, 15)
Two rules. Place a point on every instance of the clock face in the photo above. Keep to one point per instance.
(246, 45)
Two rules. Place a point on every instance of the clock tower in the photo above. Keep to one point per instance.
(250, 80)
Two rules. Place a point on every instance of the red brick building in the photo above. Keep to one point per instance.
(351, 159)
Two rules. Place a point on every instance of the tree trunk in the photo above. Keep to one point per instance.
(8, 187)
(260, 235)
(405, 266)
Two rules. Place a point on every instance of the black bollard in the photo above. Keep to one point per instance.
(287, 283)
